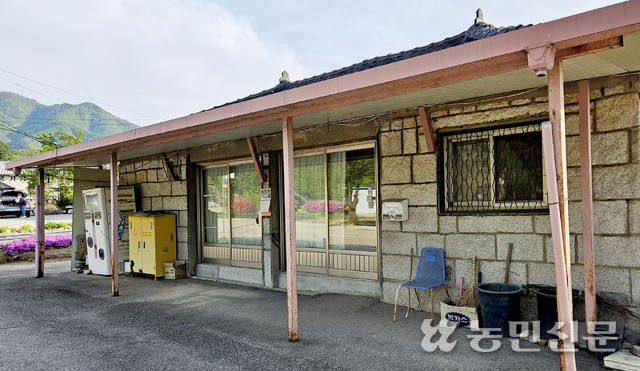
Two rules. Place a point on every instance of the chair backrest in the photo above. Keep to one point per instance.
(431, 266)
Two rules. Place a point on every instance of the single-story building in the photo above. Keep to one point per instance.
(453, 127)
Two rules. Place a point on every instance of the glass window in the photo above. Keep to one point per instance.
(245, 205)
(309, 200)
(494, 170)
(216, 205)
(352, 203)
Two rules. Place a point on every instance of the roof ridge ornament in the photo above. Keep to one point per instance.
(479, 17)
(284, 77)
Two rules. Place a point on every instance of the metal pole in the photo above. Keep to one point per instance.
(40, 224)
(587, 209)
(290, 228)
(115, 269)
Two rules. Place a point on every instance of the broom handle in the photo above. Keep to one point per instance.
(411, 264)
(473, 269)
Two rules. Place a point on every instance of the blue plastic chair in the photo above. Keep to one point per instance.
(430, 274)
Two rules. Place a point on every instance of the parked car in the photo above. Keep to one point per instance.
(9, 203)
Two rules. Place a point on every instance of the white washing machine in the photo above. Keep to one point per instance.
(96, 225)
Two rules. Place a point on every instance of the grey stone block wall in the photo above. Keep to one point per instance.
(407, 171)
(158, 193)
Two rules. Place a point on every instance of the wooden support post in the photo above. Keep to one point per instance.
(290, 228)
(40, 224)
(427, 128)
(587, 208)
(256, 160)
(556, 116)
(115, 269)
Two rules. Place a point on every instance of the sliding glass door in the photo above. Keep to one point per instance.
(336, 216)
(231, 203)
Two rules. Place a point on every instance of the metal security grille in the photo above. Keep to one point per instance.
(496, 170)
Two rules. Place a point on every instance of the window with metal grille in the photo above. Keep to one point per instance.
(493, 170)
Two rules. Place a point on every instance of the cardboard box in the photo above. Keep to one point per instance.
(174, 269)
(466, 316)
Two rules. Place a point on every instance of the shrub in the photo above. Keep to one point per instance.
(313, 207)
(51, 209)
(29, 243)
(4, 229)
(26, 228)
(241, 205)
(56, 225)
(335, 206)
(318, 206)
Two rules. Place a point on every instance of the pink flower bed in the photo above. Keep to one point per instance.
(13, 248)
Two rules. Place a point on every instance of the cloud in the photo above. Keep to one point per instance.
(165, 58)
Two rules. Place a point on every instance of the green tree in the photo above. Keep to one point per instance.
(59, 190)
(5, 152)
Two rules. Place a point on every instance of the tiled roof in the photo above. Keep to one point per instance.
(3, 169)
(480, 30)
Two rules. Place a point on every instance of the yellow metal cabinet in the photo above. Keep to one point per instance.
(152, 241)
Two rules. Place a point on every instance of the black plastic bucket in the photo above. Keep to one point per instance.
(548, 311)
(606, 342)
(500, 303)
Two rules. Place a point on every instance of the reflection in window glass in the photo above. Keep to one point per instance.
(470, 171)
(352, 203)
(309, 201)
(216, 205)
(518, 167)
(245, 205)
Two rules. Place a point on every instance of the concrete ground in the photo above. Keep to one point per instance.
(70, 321)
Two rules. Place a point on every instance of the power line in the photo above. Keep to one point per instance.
(77, 95)
(37, 139)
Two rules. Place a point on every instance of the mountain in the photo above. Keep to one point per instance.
(21, 117)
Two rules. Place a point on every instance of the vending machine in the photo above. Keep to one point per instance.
(96, 225)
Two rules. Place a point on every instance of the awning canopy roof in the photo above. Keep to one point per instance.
(598, 43)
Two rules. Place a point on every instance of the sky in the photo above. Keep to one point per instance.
(150, 61)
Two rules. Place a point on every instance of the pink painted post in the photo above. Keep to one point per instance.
(587, 209)
(115, 269)
(556, 116)
(290, 228)
(562, 291)
(40, 224)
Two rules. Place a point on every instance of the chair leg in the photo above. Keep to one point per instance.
(408, 304)
(431, 307)
(418, 297)
(395, 306)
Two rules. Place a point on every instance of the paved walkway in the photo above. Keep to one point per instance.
(71, 321)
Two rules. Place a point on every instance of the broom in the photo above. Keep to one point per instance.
(470, 297)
